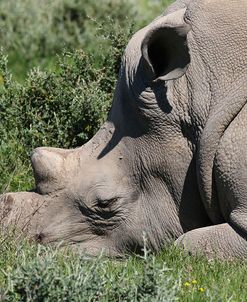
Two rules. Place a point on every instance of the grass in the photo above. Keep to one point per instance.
(36, 273)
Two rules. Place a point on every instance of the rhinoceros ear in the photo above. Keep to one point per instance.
(164, 47)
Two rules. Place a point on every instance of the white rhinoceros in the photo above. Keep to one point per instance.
(170, 161)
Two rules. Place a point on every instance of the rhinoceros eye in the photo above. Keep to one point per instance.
(104, 203)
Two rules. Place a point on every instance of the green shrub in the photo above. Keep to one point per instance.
(35, 273)
(33, 32)
(65, 107)
(45, 274)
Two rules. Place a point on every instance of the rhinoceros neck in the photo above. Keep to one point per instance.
(227, 106)
(219, 73)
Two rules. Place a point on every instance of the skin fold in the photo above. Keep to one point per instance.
(170, 162)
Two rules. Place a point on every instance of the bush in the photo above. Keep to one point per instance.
(35, 273)
(44, 274)
(33, 32)
(63, 107)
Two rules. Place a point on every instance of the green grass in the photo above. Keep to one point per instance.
(36, 273)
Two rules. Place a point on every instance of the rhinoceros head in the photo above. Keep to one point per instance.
(138, 174)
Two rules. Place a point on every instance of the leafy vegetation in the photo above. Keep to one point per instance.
(56, 90)
(38, 273)
(34, 32)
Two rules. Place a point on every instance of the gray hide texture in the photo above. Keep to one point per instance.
(170, 161)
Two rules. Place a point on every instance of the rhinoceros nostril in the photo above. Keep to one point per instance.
(39, 237)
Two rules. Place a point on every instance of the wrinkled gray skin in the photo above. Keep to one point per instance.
(170, 161)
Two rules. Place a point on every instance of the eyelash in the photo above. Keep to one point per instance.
(105, 203)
